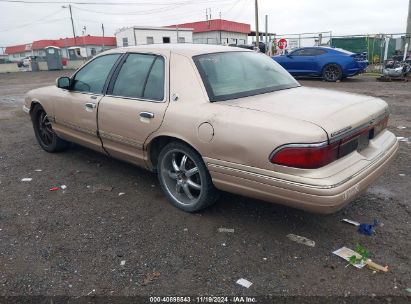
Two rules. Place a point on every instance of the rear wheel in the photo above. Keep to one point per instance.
(43, 130)
(184, 178)
(332, 72)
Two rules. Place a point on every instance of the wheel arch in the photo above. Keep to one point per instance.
(33, 103)
(156, 144)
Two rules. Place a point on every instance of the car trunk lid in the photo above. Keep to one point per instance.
(335, 112)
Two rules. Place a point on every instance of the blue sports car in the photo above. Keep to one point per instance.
(331, 64)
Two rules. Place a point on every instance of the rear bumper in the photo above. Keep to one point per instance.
(318, 198)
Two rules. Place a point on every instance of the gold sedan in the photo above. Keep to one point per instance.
(209, 118)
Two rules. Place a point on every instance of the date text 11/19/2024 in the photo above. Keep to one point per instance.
(203, 299)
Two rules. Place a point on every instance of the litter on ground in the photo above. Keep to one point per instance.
(121, 193)
(26, 179)
(245, 283)
(350, 222)
(228, 230)
(38, 170)
(123, 262)
(364, 228)
(63, 187)
(54, 188)
(301, 240)
(347, 253)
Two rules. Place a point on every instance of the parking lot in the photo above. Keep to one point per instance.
(89, 240)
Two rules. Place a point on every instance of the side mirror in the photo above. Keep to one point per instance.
(63, 82)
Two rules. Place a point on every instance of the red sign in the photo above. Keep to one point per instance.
(282, 44)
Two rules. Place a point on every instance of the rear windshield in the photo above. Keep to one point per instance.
(232, 75)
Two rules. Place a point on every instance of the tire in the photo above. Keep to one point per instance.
(43, 130)
(184, 178)
(332, 72)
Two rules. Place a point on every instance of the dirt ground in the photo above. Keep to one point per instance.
(88, 240)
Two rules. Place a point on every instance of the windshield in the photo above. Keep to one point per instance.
(232, 75)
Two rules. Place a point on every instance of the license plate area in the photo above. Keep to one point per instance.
(363, 141)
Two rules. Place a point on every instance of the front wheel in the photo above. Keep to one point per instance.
(43, 130)
(332, 72)
(184, 178)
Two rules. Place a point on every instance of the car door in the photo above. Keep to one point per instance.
(134, 106)
(76, 108)
(302, 61)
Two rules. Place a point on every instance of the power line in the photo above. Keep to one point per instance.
(112, 3)
(37, 21)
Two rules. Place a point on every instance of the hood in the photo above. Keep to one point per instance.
(333, 111)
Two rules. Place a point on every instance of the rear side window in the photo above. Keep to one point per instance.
(141, 76)
(308, 52)
(92, 77)
(238, 74)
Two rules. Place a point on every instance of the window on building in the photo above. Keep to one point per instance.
(166, 39)
(125, 41)
(93, 76)
(150, 40)
(93, 51)
(181, 40)
(141, 76)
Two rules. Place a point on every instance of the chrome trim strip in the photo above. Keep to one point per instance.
(25, 109)
(139, 99)
(77, 128)
(120, 139)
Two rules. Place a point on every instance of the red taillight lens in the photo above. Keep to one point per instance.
(306, 157)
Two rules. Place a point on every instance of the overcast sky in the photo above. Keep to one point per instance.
(22, 22)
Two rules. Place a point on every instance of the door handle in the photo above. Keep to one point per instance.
(90, 105)
(93, 97)
(147, 114)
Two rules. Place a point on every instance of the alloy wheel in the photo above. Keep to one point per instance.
(181, 177)
(45, 130)
(332, 73)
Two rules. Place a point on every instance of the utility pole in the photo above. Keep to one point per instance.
(408, 31)
(257, 34)
(266, 33)
(102, 28)
(72, 24)
(220, 30)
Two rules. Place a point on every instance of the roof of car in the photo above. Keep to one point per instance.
(186, 49)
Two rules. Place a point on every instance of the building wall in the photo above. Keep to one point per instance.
(213, 37)
(19, 56)
(139, 36)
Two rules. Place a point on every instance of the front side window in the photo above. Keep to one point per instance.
(150, 40)
(93, 76)
(232, 75)
(125, 41)
(141, 76)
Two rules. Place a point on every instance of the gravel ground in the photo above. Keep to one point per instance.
(88, 240)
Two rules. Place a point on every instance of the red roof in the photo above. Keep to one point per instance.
(216, 25)
(62, 42)
(21, 48)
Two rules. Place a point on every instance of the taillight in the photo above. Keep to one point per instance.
(313, 156)
(306, 157)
